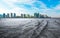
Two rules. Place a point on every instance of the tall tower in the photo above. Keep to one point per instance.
(14, 15)
(11, 15)
(22, 15)
(0, 15)
(7, 15)
(36, 15)
(4, 15)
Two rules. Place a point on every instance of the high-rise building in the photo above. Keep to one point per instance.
(22, 15)
(41, 16)
(14, 15)
(28, 16)
(7, 15)
(4, 15)
(36, 15)
(11, 15)
(0, 15)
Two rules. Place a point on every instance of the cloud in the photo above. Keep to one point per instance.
(28, 6)
(53, 12)
(57, 7)
(11, 7)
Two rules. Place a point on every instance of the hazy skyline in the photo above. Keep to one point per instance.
(49, 7)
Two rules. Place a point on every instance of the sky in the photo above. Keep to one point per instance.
(46, 7)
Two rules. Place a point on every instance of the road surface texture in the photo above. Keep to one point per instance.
(29, 28)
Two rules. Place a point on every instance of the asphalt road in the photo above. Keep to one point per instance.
(29, 28)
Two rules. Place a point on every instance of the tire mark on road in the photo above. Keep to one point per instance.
(39, 29)
(30, 32)
(8, 31)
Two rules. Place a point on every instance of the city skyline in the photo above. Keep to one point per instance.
(48, 7)
(13, 15)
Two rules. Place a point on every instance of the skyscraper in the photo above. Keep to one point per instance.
(41, 16)
(11, 15)
(4, 15)
(28, 16)
(7, 15)
(22, 15)
(14, 15)
(36, 15)
(0, 15)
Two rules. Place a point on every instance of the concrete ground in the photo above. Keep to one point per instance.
(29, 28)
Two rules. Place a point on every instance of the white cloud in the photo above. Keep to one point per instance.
(19, 1)
(15, 9)
(57, 7)
(18, 10)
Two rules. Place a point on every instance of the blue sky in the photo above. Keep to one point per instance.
(49, 7)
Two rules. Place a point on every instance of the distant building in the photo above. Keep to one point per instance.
(1, 16)
(28, 16)
(45, 16)
(4, 15)
(22, 15)
(11, 15)
(25, 16)
(36, 15)
(41, 16)
(7, 15)
(14, 15)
